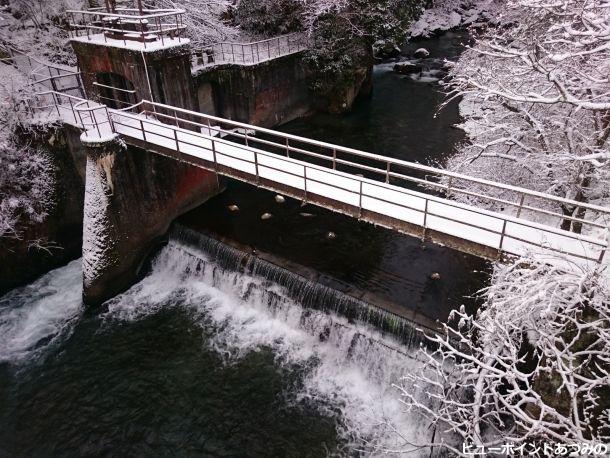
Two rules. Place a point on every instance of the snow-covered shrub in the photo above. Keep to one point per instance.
(207, 21)
(26, 174)
(270, 17)
(26, 187)
(343, 32)
(39, 27)
(532, 366)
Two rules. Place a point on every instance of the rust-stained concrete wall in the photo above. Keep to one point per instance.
(267, 94)
(131, 198)
(273, 92)
(132, 195)
(168, 70)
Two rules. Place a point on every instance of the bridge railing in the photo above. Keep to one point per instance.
(354, 182)
(45, 75)
(128, 24)
(519, 202)
(250, 53)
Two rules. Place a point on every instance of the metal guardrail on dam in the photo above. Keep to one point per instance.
(405, 196)
(44, 75)
(250, 53)
(127, 24)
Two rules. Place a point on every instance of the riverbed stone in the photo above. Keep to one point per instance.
(421, 53)
(407, 68)
(385, 49)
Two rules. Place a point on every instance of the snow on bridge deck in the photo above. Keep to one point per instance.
(281, 163)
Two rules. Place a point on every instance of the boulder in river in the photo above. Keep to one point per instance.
(233, 208)
(385, 49)
(407, 68)
(307, 215)
(331, 235)
(266, 216)
(435, 276)
(280, 199)
(421, 53)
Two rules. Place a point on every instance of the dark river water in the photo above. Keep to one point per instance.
(199, 359)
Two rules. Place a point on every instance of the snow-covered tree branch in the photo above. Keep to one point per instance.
(38, 27)
(533, 365)
(538, 92)
(26, 173)
(206, 20)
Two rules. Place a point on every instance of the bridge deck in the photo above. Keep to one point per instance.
(246, 153)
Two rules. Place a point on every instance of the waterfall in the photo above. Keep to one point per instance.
(35, 316)
(346, 364)
(249, 304)
(309, 294)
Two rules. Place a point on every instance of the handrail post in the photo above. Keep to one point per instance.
(502, 235)
(143, 131)
(449, 186)
(214, 157)
(56, 104)
(72, 108)
(176, 140)
(287, 148)
(520, 204)
(334, 158)
(160, 30)
(360, 201)
(246, 136)
(80, 116)
(425, 224)
(387, 172)
(110, 121)
(123, 33)
(97, 125)
(305, 181)
(256, 168)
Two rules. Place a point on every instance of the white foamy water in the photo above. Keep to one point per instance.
(37, 315)
(352, 365)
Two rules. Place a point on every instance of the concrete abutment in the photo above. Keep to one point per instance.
(131, 198)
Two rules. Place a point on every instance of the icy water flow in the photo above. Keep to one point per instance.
(205, 358)
(195, 359)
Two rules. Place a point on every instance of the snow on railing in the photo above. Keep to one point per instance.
(367, 186)
(127, 24)
(250, 53)
(45, 75)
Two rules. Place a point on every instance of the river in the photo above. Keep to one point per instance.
(206, 358)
